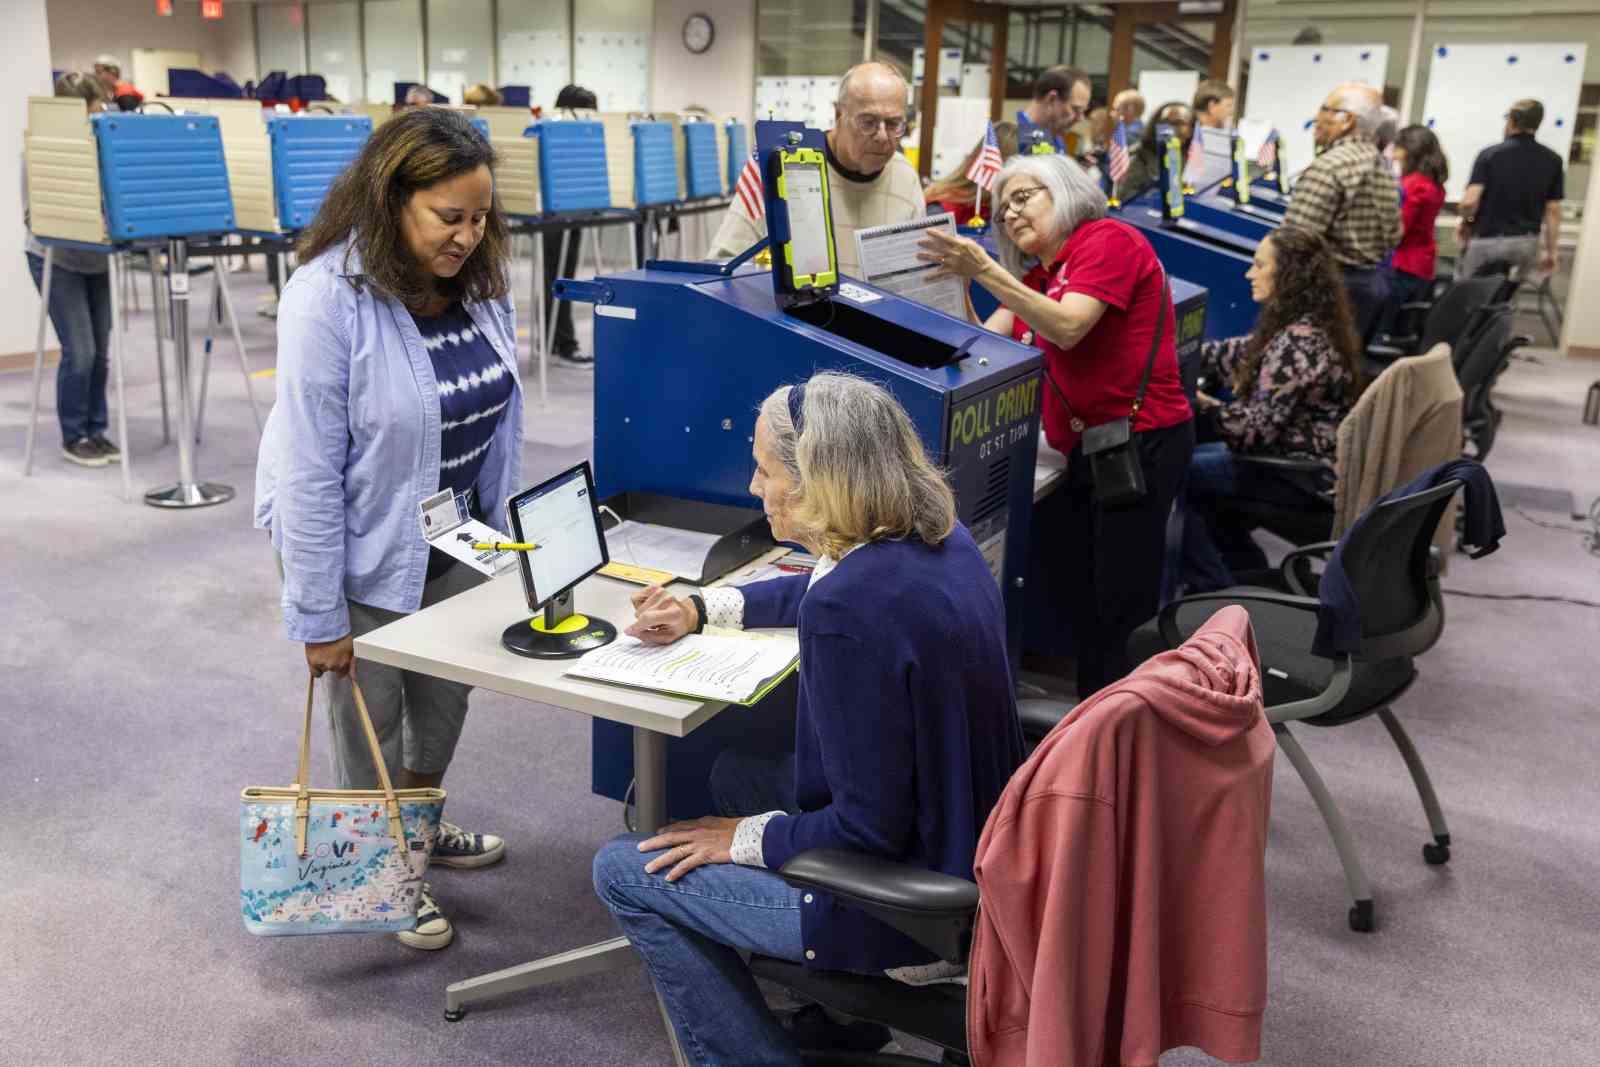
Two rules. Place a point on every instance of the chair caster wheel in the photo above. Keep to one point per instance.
(454, 1015)
(1435, 854)
(1362, 918)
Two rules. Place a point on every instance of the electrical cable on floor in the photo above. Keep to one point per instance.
(1523, 596)
(1590, 533)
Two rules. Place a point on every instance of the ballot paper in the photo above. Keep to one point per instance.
(888, 258)
(447, 526)
(732, 666)
(662, 548)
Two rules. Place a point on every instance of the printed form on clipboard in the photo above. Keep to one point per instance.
(888, 258)
(736, 666)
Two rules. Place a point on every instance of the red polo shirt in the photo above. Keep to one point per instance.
(1110, 261)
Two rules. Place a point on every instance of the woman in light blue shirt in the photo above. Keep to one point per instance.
(397, 377)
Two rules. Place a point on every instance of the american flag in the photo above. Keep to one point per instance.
(749, 188)
(987, 162)
(1267, 154)
(1117, 155)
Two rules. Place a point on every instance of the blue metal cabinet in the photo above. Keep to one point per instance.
(308, 153)
(163, 175)
(1205, 256)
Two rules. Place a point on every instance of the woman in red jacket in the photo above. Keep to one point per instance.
(1423, 172)
(959, 194)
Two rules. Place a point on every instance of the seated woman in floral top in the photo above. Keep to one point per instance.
(1291, 381)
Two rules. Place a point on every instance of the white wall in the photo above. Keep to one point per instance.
(722, 79)
(23, 46)
(1581, 334)
(83, 29)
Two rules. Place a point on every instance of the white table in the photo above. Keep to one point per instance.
(1049, 471)
(459, 639)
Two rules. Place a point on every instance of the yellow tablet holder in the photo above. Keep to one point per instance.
(808, 157)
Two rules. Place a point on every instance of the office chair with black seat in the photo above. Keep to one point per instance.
(1123, 884)
(1388, 559)
(1450, 319)
(1478, 369)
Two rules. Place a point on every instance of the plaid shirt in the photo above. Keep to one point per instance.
(1350, 197)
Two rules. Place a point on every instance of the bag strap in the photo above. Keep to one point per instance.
(302, 800)
(1149, 363)
(1155, 343)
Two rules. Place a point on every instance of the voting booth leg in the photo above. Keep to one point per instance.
(187, 492)
(555, 313)
(38, 361)
(116, 349)
(650, 791)
(205, 365)
(220, 285)
(536, 334)
(157, 314)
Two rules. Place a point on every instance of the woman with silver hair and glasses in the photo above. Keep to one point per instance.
(1089, 292)
(906, 731)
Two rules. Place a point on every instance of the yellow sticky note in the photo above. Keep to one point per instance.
(627, 572)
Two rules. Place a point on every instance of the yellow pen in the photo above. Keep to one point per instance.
(503, 546)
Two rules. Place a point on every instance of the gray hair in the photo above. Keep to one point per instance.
(1388, 127)
(846, 86)
(1075, 198)
(1365, 105)
(861, 473)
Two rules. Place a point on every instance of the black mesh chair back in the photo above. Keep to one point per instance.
(1485, 356)
(1453, 313)
(1387, 562)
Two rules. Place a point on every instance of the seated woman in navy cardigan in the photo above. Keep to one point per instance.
(906, 734)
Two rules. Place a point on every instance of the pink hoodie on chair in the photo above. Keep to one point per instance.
(1124, 897)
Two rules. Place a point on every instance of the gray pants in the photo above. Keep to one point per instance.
(417, 717)
(1519, 252)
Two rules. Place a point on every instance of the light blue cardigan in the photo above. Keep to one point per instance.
(352, 445)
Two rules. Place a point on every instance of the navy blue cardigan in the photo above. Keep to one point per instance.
(907, 724)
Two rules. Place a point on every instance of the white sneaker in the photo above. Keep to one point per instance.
(433, 930)
(455, 847)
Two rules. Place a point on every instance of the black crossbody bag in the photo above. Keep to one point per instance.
(1114, 466)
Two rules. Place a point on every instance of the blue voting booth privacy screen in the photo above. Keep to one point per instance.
(162, 175)
(572, 166)
(738, 152)
(655, 164)
(308, 153)
(700, 156)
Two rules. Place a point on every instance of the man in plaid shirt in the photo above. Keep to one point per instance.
(1349, 196)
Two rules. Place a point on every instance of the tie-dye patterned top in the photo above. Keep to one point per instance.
(1302, 392)
(474, 388)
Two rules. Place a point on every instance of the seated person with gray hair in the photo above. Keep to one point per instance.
(906, 731)
(1350, 197)
(869, 182)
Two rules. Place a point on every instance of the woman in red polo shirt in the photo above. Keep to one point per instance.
(1089, 292)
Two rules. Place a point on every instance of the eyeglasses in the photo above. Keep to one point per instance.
(1332, 110)
(1018, 200)
(867, 125)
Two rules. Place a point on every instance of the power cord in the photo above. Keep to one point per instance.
(1524, 596)
(1590, 533)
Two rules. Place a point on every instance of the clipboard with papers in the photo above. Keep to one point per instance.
(889, 261)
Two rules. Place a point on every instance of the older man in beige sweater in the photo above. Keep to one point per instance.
(870, 183)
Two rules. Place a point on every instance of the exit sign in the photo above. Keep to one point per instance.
(211, 9)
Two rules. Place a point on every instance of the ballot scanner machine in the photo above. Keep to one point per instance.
(685, 352)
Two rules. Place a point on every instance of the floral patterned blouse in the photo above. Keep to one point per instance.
(1302, 392)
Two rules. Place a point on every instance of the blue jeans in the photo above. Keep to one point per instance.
(1403, 288)
(80, 310)
(691, 932)
(1213, 546)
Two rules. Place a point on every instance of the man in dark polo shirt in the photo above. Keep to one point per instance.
(1511, 211)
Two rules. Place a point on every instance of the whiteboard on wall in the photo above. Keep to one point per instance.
(1164, 86)
(537, 60)
(807, 98)
(1289, 82)
(1472, 86)
(616, 66)
(962, 122)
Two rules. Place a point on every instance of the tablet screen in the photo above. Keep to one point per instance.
(560, 517)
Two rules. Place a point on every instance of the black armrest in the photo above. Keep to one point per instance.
(935, 910)
(1292, 569)
(1338, 685)
(1388, 353)
(1282, 463)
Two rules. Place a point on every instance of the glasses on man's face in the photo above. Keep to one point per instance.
(1014, 202)
(868, 125)
(1326, 110)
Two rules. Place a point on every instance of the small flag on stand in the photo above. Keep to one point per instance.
(1267, 154)
(1117, 155)
(749, 189)
(987, 162)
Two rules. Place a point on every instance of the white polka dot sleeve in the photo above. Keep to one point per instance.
(746, 850)
(724, 607)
